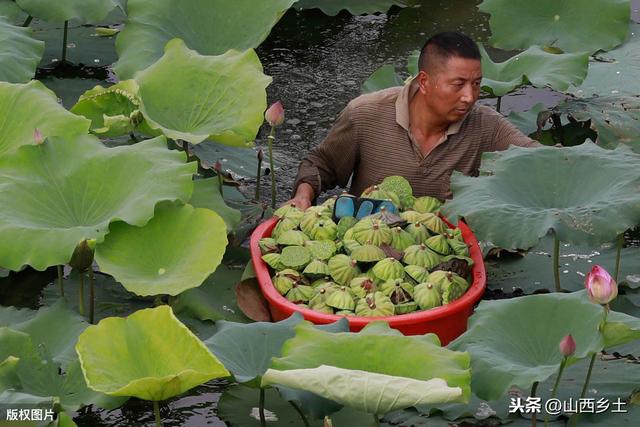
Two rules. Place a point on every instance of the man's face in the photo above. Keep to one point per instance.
(453, 89)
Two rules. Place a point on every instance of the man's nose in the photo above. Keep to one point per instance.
(467, 93)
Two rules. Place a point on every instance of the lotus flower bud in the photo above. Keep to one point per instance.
(37, 136)
(275, 114)
(567, 346)
(601, 287)
(260, 154)
(82, 256)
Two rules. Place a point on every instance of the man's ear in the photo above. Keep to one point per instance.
(424, 81)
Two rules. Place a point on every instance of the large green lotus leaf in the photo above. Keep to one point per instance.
(242, 162)
(515, 341)
(629, 418)
(68, 189)
(19, 53)
(535, 66)
(620, 329)
(382, 78)
(526, 121)
(363, 390)
(25, 107)
(355, 7)
(569, 25)
(378, 349)
(175, 251)
(210, 27)
(149, 355)
(12, 12)
(193, 97)
(614, 72)
(206, 194)
(573, 196)
(64, 10)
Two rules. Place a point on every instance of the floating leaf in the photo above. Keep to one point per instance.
(574, 196)
(535, 66)
(149, 355)
(209, 27)
(25, 107)
(12, 12)
(193, 97)
(526, 121)
(242, 162)
(19, 53)
(382, 78)
(64, 10)
(355, 7)
(518, 24)
(206, 194)
(70, 189)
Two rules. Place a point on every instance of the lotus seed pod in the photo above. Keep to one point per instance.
(284, 209)
(427, 295)
(417, 273)
(292, 238)
(296, 257)
(421, 255)
(434, 223)
(439, 278)
(342, 299)
(321, 249)
(284, 280)
(389, 218)
(362, 285)
(406, 307)
(320, 297)
(388, 269)
(329, 287)
(412, 217)
(375, 305)
(344, 313)
(345, 223)
(454, 289)
(294, 215)
(343, 268)
(375, 192)
(324, 229)
(348, 235)
(427, 204)
(350, 245)
(82, 256)
(329, 203)
(321, 308)
(439, 244)
(401, 187)
(419, 232)
(400, 239)
(318, 282)
(458, 247)
(311, 217)
(273, 261)
(300, 293)
(268, 245)
(316, 268)
(372, 231)
(457, 264)
(456, 234)
(397, 290)
(367, 253)
(283, 226)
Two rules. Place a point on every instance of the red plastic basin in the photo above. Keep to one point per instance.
(448, 321)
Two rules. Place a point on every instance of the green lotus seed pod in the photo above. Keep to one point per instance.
(310, 218)
(427, 295)
(322, 308)
(292, 238)
(375, 305)
(362, 285)
(268, 245)
(388, 269)
(439, 278)
(273, 261)
(458, 247)
(344, 313)
(406, 307)
(389, 218)
(348, 235)
(300, 293)
(284, 280)
(321, 249)
(412, 217)
(329, 203)
(318, 282)
(397, 290)
(455, 263)
(454, 289)
(343, 268)
(420, 232)
(371, 231)
(329, 287)
(367, 253)
(284, 209)
(284, 225)
(456, 234)
(345, 223)
(316, 268)
(434, 223)
(324, 229)
(421, 255)
(375, 192)
(401, 187)
(319, 298)
(417, 273)
(439, 244)
(296, 257)
(400, 239)
(342, 299)
(427, 204)
(350, 245)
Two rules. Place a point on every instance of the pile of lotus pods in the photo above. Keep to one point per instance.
(381, 265)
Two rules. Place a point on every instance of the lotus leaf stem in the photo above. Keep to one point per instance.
(299, 411)
(27, 21)
(64, 41)
(556, 261)
(60, 281)
(258, 178)
(555, 387)
(376, 421)
(156, 412)
(263, 421)
(534, 388)
(498, 103)
(273, 172)
(619, 245)
(220, 182)
(133, 137)
(91, 296)
(81, 294)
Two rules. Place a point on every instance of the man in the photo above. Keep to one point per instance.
(422, 131)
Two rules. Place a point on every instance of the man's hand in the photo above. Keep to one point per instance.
(303, 197)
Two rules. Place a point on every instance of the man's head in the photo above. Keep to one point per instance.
(450, 75)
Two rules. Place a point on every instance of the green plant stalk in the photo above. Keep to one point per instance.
(258, 179)
(534, 387)
(64, 41)
(60, 281)
(619, 245)
(27, 21)
(376, 421)
(498, 104)
(555, 387)
(220, 182)
(299, 411)
(263, 421)
(556, 261)
(156, 412)
(81, 294)
(92, 296)
(273, 172)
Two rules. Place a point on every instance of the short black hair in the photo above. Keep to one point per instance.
(442, 46)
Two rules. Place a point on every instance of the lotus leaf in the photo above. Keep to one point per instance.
(535, 66)
(527, 121)
(149, 355)
(382, 78)
(176, 250)
(574, 196)
(47, 210)
(502, 356)
(12, 12)
(355, 7)
(19, 53)
(64, 10)
(210, 27)
(219, 97)
(240, 161)
(518, 24)
(26, 107)
(206, 194)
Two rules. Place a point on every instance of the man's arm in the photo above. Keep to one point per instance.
(508, 134)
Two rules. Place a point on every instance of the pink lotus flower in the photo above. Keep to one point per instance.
(601, 287)
(37, 136)
(275, 114)
(567, 346)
